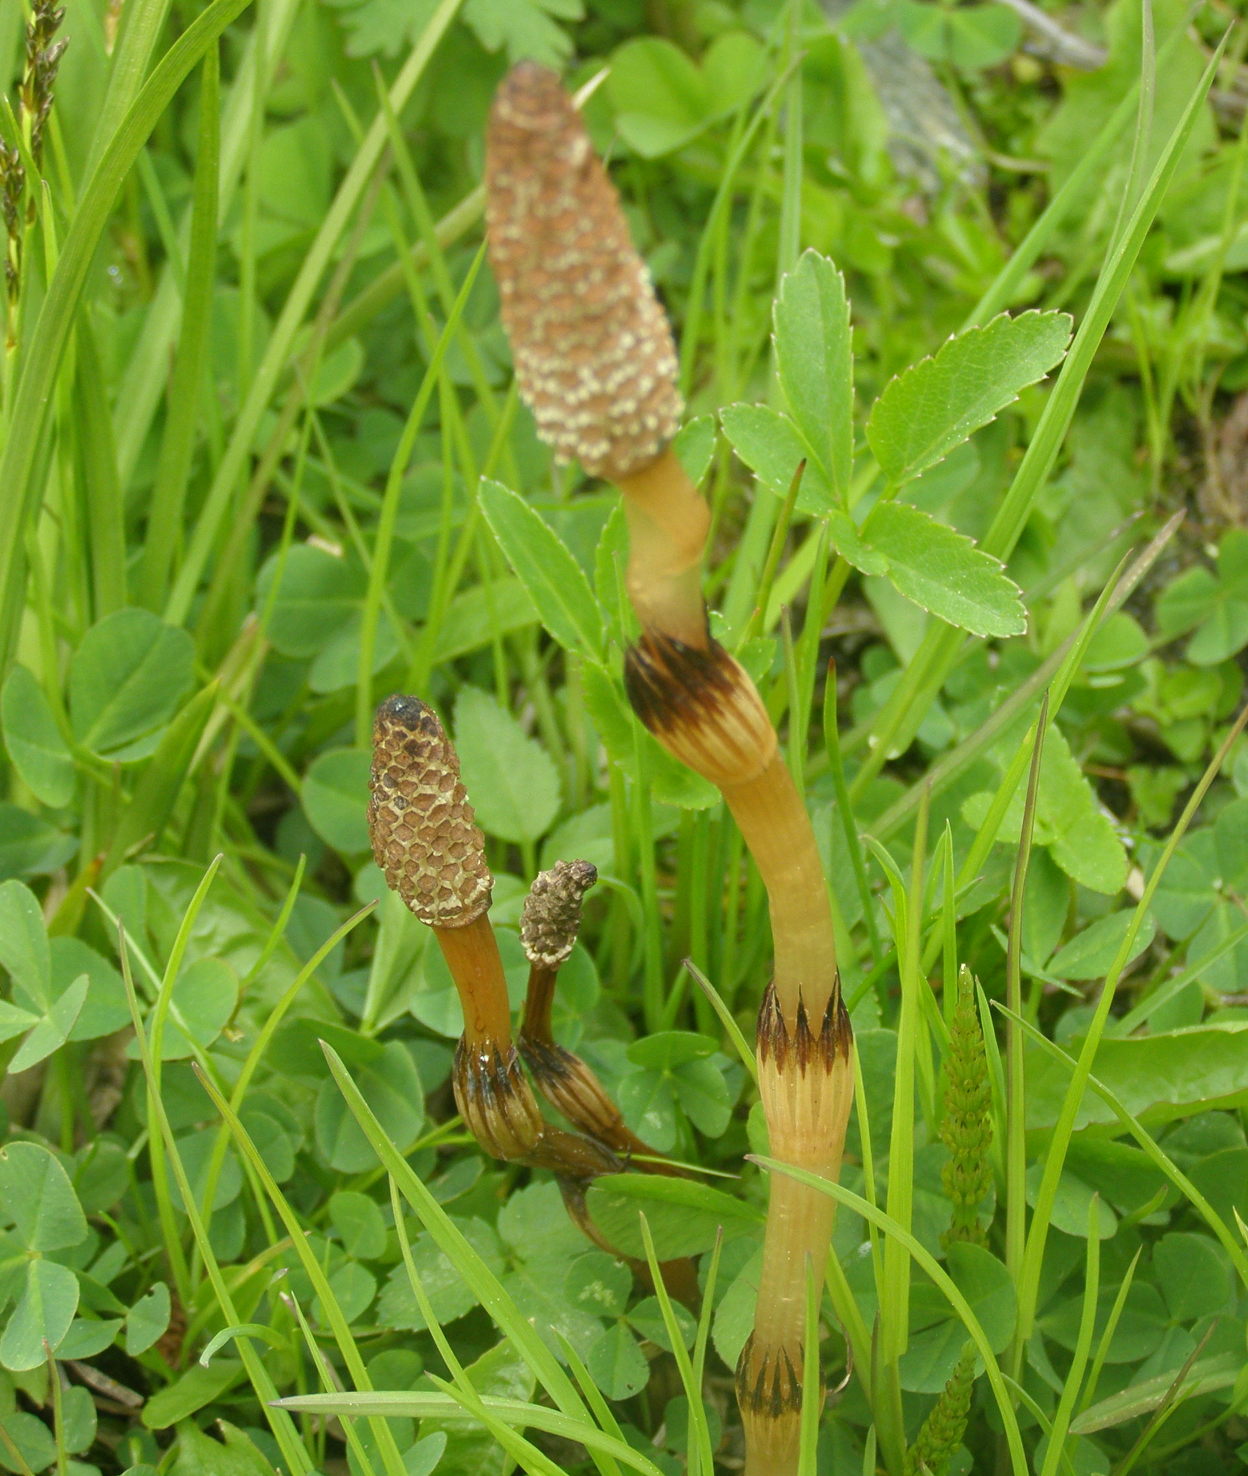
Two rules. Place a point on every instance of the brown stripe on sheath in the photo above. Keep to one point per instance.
(803, 1047)
(768, 1383)
(593, 349)
(701, 705)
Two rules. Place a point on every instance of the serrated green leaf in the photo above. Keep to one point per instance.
(526, 29)
(510, 778)
(1070, 821)
(937, 403)
(126, 680)
(383, 27)
(541, 561)
(815, 367)
(694, 446)
(770, 444)
(33, 740)
(943, 572)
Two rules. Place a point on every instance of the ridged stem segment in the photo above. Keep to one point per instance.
(594, 362)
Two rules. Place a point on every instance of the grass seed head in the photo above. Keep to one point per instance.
(593, 349)
(551, 916)
(424, 835)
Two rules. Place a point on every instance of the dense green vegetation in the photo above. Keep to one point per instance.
(263, 464)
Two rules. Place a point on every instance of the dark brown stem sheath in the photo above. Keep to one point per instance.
(595, 362)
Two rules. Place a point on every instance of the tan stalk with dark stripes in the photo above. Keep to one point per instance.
(596, 363)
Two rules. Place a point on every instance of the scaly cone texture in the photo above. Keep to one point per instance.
(426, 841)
(424, 833)
(594, 355)
(582, 320)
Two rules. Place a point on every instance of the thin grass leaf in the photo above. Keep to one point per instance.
(493, 1297)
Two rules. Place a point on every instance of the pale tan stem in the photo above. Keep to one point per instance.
(668, 520)
(776, 828)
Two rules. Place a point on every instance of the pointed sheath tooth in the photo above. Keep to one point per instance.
(422, 828)
(701, 706)
(593, 349)
(551, 916)
(806, 1081)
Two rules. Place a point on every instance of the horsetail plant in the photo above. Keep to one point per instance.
(596, 362)
(426, 840)
(427, 843)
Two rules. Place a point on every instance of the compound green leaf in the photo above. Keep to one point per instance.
(939, 402)
(772, 447)
(126, 680)
(42, 1316)
(511, 779)
(814, 365)
(37, 1194)
(335, 798)
(943, 572)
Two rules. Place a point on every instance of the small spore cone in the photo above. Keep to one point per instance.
(424, 835)
(594, 355)
(551, 916)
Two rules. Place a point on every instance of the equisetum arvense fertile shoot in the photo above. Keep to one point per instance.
(596, 363)
(426, 840)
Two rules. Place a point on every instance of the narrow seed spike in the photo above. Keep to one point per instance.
(593, 349)
(551, 916)
(424, 835)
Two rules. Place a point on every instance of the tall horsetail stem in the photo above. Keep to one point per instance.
(595, 363)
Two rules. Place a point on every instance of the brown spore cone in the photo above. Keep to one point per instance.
(593, 349)
(551, 916)
(424, 835)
